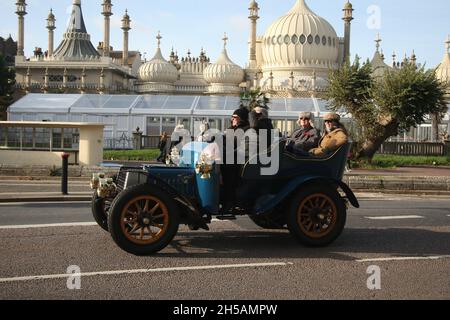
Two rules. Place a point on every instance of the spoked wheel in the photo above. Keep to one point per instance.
(143, 220)
(317, 216)
(100, 208)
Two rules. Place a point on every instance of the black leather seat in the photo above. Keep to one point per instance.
(291, 165)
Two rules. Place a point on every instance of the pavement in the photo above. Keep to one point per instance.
(422, 181)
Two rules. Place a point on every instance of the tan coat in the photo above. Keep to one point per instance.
(330, 143)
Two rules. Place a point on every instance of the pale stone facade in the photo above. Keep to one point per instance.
(76, 65)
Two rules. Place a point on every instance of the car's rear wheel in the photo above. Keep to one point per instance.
(100, 208)
(317, 216)
(143, 220)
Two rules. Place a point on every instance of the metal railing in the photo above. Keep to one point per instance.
(416, 148)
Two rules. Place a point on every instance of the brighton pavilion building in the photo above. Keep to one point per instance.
(290, 61)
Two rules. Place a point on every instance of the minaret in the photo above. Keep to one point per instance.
(126, 27)
(107, 12)
(51, 28)
(348, 17)
(21, 12)
(254, 11)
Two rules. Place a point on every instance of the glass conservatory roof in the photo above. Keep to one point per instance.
(158, 105)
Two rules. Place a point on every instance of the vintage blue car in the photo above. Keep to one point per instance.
(143, 207)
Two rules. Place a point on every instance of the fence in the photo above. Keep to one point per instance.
(150, 142)
(416, 148)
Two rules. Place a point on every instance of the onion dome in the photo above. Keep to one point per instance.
(224, 71)
(158, 69)
(299, 38)
(443, 71)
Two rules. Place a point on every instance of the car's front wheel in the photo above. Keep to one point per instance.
(317, 216)
(143, 220)
(100, 208)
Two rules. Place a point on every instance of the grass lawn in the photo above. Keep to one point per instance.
(131, 155)
(380, 161)
(391, 161)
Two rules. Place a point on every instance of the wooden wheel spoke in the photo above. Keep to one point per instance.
(156, 207)
(138, 207)
(152, 234)
(146, 205)
(324, 202)
(160, 216)
(135, 228)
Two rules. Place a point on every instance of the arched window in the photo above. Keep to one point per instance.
(302, 39)
(280, 40)
(287, 40)
(317, 39)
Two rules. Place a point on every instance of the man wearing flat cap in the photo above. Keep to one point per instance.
(305, 138)
(334, 137)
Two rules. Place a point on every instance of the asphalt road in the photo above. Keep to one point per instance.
(408, 238)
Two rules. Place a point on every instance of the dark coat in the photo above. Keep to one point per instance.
(259, 122)
(304, 140)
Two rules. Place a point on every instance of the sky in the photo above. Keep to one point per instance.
(403, 25)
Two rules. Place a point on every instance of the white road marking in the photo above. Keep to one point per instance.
(143, 271)
(395, 217)
(404, 259)
(57, 225)
(53, 225)
(9, 204)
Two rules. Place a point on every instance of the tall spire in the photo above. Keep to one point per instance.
(378, 41)
(225, 40)
(76, 44)
(447, 44)
(159, 37)
(300, 6)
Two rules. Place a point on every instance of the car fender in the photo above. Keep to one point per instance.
(268, 203)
